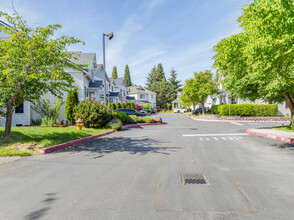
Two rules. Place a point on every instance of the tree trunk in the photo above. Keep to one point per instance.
(203, 110)
(8, 122)
(290, 103)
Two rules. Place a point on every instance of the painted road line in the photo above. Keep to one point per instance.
(236, 123)
(211, 135)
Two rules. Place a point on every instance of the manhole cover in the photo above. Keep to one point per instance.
(194, 178)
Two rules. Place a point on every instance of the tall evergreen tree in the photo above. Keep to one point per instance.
(127, 76)
(160, 73)
(114, 72)
(152, 80)
(174, 84)
(71, 101)
(163, 93)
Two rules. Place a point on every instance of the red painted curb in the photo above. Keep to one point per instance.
(271, 136)
(70, 143)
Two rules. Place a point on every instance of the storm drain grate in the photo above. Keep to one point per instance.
(194, 178)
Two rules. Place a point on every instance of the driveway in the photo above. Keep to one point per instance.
(137, 174)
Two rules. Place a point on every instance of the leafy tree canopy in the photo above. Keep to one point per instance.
(258, 62)
(32, 63)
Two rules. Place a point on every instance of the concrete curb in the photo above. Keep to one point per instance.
(70, 143)
(271, 136)
(196, 119)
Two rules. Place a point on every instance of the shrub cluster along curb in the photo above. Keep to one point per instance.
(271, 136)
(70, 143)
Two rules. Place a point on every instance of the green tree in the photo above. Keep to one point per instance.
(197, 89)
(32, 63)
(127, 76)
(160, 73)
(258, 62)
(71, 101)
(162, 96)
(174, 85)
(190, 95)
(152, 80)
(114, 72)
(117, 105)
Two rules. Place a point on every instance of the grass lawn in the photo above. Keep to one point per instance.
(284, 128)
(26, 141)
(188, 113)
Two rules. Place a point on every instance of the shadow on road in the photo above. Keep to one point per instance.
(103, 146)
(49, 199)
(284, 146)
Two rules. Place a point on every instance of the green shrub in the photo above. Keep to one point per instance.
(292, 122)
(112, 106)
(148, 119)
(133, 118)
(71, 101)
(117, 105)
(47, 121)
(128, 105)
(93, 113)
(265, 110)
(132, 105)
(123, 105)
(140, 120)
(36, 122)
(115, 124)
(214, 109)
(246, 110)
(122, 116)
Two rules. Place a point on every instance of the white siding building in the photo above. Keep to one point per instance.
(142, 96)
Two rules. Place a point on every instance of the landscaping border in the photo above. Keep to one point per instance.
(70, 143)
(271, 136)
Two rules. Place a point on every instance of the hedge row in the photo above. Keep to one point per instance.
(246, 110)
(117, 105)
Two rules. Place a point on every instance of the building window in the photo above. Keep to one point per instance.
(19, 109)
(86, 92)
(142, 96)
(152, 96)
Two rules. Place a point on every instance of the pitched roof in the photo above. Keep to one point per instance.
(83, 58)
(120, 81)
(139, 89)
(96, 84)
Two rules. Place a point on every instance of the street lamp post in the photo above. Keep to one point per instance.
(110, 36)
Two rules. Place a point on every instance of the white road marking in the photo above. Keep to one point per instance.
(220, 138)
(212, 135)
(235, 123)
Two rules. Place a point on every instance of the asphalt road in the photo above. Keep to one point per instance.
(136, 174)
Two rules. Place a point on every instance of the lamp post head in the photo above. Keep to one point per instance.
(109, 35)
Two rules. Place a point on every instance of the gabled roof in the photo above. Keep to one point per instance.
(96, 84)
(139, 90)
(120, 81)
(83, 58)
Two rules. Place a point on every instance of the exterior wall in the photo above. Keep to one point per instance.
(20, 118)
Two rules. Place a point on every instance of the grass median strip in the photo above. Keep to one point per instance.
(26, 141)
(284, 128)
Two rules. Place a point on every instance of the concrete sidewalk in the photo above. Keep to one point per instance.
(273, 134)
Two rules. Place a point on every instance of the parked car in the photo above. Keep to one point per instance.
(199, 111)
(144, 112)
(151, 110)
(176, 110)
(182, 110)
(129, 111)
